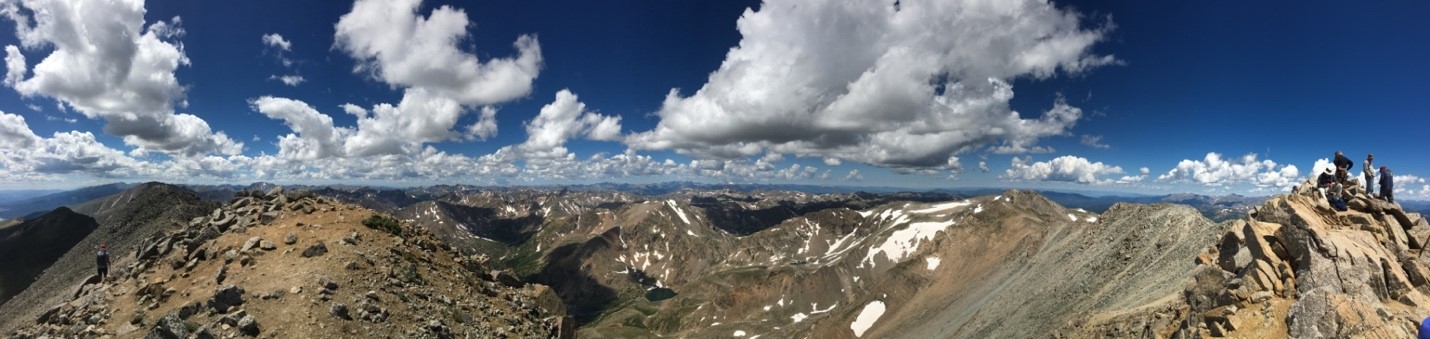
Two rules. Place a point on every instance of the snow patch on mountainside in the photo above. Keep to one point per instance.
(903, 242)
(943, 206)
(867, 317)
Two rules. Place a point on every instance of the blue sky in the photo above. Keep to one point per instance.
(1062, 95)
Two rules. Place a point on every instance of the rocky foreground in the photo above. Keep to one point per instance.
(1296, 268)
(294, 265)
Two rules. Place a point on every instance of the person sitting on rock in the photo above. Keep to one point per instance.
(1325, 180)
(1334, 195)
(1369, 172)
(1387, 185)
(101, 261)
(1343, 164)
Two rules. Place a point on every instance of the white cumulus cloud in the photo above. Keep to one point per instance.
(315, 137)
(290, 80)
(15, 133)
(1213, 170)
(106, 63)
(564, 118)
(872, 82)
(1066, 168)
(397, 45)
(421, 117)
(277, 41)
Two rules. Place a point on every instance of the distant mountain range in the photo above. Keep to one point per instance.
(31, 203)
(34, 206)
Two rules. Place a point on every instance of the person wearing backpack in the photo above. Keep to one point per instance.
(1387, 185)
(1343, 165)
(101, 261)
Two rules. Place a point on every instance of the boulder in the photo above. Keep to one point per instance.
(241, 202)
(267, 245)
(222, 224)
(1414, 271)
(1397, 235)
(1232, 256)
(1396, 283)
(1417, 236)
(169, 327)
(226, 298)
(1401, 217)
(340, 310)
(248, 326)
(220, 274)
(290, 239)
(268, 217)
(1327, 313)
(328, 284)
(1359, 204)
(250, 244)
(315, 250)
(506, 277)
(200, 238)
(1258, 236)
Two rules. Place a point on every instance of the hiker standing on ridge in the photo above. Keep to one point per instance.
(1369, 172)
(1387, 185)
(101, 261)
(1343, 164)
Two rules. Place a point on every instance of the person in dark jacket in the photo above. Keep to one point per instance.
(1387, 185)
(1343, 166)
(101, 261)
(1326, 179)
(1331, 189)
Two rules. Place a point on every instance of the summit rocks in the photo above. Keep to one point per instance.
(1294, 267)
(232, 282)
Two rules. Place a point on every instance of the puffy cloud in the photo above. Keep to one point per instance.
(106, 64)
(854, 176)
(316, 137)
(15, 133)
(1065, 168)
(872, 82)
(564, 118)
(485, 127)
(1094, 141)
(1212, 170)
(397, 45)
(832, 162)
(277, 41)
(290, 80)
(421, 117)
(983, 167)
(1131, 179)
(15, 66)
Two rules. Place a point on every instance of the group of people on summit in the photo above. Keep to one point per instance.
(1334, 181)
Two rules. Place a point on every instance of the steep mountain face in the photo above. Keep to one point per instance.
(125, 221)
(789, 264)
(1297, 268)
(49, 202)
(29, 248)
(294, 265)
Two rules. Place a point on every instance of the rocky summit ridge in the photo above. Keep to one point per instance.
(1295, 267)
(281, 264)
